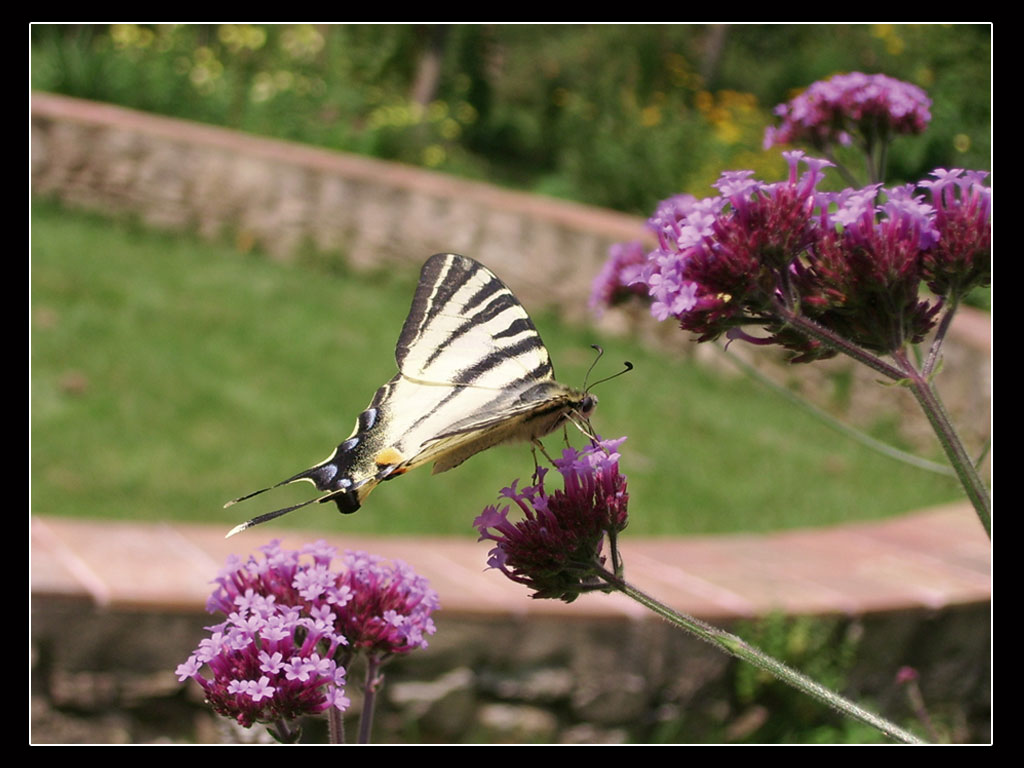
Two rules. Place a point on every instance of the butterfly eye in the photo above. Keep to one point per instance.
(587, 405)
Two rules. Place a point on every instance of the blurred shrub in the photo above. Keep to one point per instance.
(614, 115)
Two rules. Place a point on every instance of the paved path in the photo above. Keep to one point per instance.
(930, 559)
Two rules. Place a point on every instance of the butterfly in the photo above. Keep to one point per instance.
(472, 373)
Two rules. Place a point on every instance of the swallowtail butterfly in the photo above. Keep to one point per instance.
(472, 373)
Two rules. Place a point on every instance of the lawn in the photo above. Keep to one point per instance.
(169, 375)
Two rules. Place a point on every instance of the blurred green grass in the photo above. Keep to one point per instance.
(169, 375)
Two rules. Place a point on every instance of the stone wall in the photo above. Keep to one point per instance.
(281, 197)
(103, 676)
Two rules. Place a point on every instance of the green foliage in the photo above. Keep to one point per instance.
(801, 642)
(169, 375)
(980, 298)
(822, 648)
(610, 114)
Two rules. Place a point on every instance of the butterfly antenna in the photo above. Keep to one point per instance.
(628, 367)
(600, 353)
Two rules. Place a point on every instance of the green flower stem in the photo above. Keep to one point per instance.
(932, 406)
(335, 725)
(926, 396)
(843, 171)
(283, 732)
(735, 646)
(916, 701)
(373, 681)
(825, 336)
(846, 429)
(940, 335)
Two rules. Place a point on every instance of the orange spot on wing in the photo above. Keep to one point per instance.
(388, 457)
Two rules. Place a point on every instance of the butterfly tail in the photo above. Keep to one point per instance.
(341, 488)
(268, 516)
(346, 494)
(318, 475)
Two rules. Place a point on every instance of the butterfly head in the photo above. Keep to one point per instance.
(587, 405)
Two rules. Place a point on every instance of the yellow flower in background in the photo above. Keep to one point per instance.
(434, 155)
(131, 35)
(302, 41)
(238, 37)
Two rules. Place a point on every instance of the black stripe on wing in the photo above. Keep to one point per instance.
(442, 276)
(464, 322)
(516, 353)
(502, 302)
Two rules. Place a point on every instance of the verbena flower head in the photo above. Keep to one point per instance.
(617, 279)
(718, 259)
(760, 253)
(961, 259)
(830, 111)
(861, 275)
(555, 547)
(390, 607)
(280, 652)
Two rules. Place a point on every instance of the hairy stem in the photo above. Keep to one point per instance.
(737, 647)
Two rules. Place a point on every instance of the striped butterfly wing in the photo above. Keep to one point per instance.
(471, 347)
(473, 373)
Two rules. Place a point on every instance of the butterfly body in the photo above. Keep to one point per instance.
(472, 373)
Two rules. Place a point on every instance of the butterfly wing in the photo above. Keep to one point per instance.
(467, 333)
(466, 328)
(473, 373)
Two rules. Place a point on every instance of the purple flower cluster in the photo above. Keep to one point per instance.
(829, 111)
(291, 625)
(391, 606)
(617, 281)
(760, 253)
(961, 256)
(861, 276)
(555, 547)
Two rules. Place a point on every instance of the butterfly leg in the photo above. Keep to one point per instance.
(581, 423)
(534, 447)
